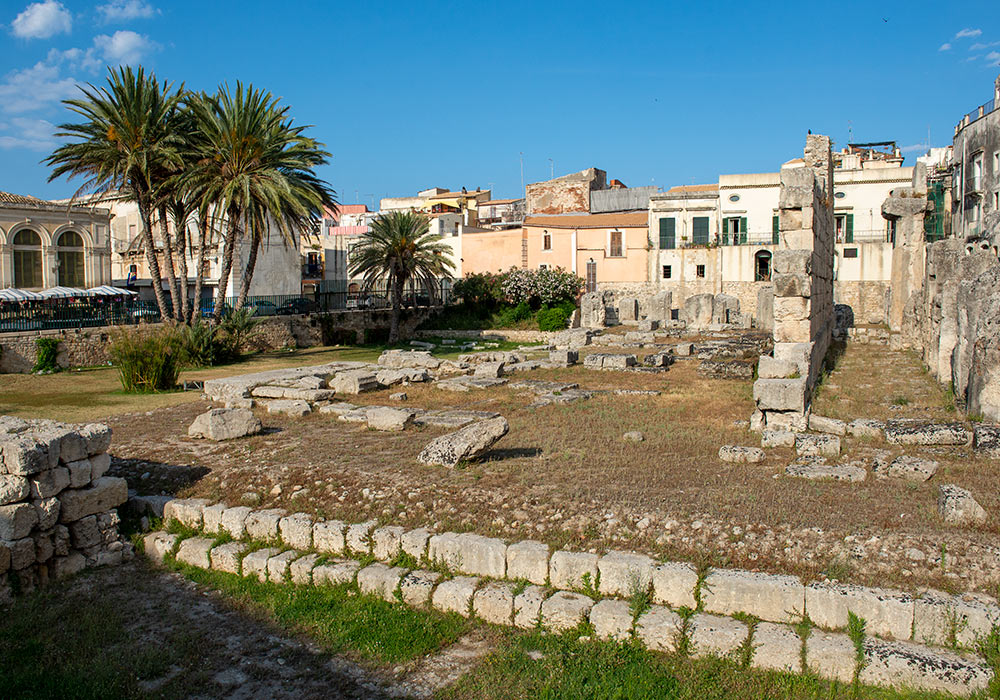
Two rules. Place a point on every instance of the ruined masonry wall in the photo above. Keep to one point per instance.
(56, 504)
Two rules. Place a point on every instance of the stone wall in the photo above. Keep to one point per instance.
(57, 507)
(867, 299)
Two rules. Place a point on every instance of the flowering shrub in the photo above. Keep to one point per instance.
(547, 286)
(479, 288)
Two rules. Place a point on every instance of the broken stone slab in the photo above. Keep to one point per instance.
(400, 396)
(611, 619)
(830, 655)
(565, 610)
(455, 595)
(263, 524)
(906, 467)
(922, 668)
(736, 454)
(401, 359)
(674, 584)
(659, 629)
(452, 419)
(415, 587)
(986, 440)
(624, 573)
(103, 494)
(494, 603)
(905, 433)
(490, 370)
(831, 426)
(465, 444)
(573, 569)
(336, 573)
(866, 428)
(564, 358)
(817, 446)
(255, 563)
(888, 613)
(339, 409)
(389, 419)
(380, 580)
(770, 597)
(658, 359)
(945, 620)
(289, 407)
(609, 361)
(159, 544)
(227, 557)
(776, 648)
(777, 438)
(817, 468)
(356, 381)
(712, 635)
(358, 537)
(528, 560)
(194, 552)
(956, 506)
(392, 377)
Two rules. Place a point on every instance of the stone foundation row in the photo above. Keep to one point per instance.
(762, 645)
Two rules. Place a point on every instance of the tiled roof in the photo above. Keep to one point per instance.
(9, 198)
(694, 188)
(637, 219)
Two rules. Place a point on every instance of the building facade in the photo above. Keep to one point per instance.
(976, 171)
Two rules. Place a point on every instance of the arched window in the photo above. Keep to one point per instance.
(27, 259)
(762, 266)
(546, 240)
(70, 254)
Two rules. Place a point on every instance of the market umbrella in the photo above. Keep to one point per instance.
(64, 293)
(106, 290)
(15, 295)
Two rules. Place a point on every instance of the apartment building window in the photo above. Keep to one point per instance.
(666, 272)
(70, 257)
(546, 240)
(996, 201)
(775, 230)
(977, 173)
(27, 259)
(615, 247)
(668, 233)
(699, 271)
(543, 266)
(845, 228)
(699, 230)
(734, 229)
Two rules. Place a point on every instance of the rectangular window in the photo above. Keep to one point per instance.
(699, 271)
(543, 266)
(850, 252)
(668, 233)
(615, 245)
(546, 240)
(996, 165)
(666, 272)
(845, 228)
(775, 230)
(977, 173)
(699, 230)
(734, 230)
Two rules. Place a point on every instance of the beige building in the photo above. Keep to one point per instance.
(46, 244)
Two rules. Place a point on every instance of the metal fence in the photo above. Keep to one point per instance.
(92, 312)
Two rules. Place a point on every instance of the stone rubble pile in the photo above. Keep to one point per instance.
(57, 506)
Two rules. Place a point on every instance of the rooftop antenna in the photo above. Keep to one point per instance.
(850, 132)
(522, 171)
(552, 168)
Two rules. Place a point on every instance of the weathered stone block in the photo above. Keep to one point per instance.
(17, 520)
(736, 454)
(389, 419)
(15, 488)
(79, 473)
(85, 533)
(777, 648)
(712, 635)
(194, 552)
(48, 512)
(817, 445)
(66, 566)
(301, 569)
(830, 655)
(358, 537)
(528, 607)
(386, 542)
(956, 506)
(225, 424)
(297, 530)
(263, 524)
(791, 285)
(767, 596)
(415, 541)
(380, 580)
(289, 407)
(571, 570)
(831, 426)
(227, 557)
(624, 573)
(455, 595)
(674, 584)
(864, 427)
(186, 511)
(942, 619)
(494, 603)
(914, 666)
(565, 610)
(528, 560)
(793, 262)
(328, 536)
(24, 455)
(611, 619)
(770, 368)
(234, 521)
(279, 566)
(467, 443)
(416, 587)
(338, 573)
(780, 394)
(159, 544)
(898, 433)
(49, 482)
(659, 629)
(106, 493)
(98, 437)
(791, 309)
(211, 517)
(777, 438)
(99, 465)
(255, 563)
(886, 612)
(22, 553)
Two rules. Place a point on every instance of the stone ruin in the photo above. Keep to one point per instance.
(57, 505)
(803, 314)
(699, 312)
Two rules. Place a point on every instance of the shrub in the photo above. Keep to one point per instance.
(199, 344)
(479, 289)
(146, 361)
(511, 316)
(239, 328)
(555, 318)
(548, 286)
(48, 350)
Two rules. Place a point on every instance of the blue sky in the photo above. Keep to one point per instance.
(409, 95)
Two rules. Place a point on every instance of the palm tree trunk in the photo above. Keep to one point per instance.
(168, 259)
(248, 273)
(154, 265)
(181, 228)
(199, 273)
(397, 293)
(227, 265)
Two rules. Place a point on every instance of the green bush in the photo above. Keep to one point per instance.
(239, 327)
(48, 350)
(513, 315)
(555, 318)
(146, 361)
(200, 344)
(480, 289)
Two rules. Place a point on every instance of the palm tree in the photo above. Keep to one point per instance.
(398, 248)
(126, 143)
(255, 167)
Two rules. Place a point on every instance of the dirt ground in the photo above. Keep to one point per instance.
(565, 475)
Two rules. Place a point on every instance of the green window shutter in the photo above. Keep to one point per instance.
(849, 229)
(667, 230)
(775, 236)
(725, 232)
(700, 230)
(743, 229)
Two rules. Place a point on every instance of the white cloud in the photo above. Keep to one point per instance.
(124, 10)
(39, 86)
(993, 58)
(124, 46)
(40, 20)
(914, 147)
(30, 134)
(980, 47)
(968, 33)
(945, 47)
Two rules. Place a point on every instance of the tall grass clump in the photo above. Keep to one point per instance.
(146, 361)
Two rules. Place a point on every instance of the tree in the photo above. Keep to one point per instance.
(398, 248)
(125, 143)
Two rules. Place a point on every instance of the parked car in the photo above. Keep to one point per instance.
(263, 308)
(299, 305)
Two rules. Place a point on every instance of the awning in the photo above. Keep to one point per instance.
(15, 295)
(64, 293)
(106, 290)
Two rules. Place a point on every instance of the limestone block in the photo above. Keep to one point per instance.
(618, 362)
(300, 570)
(234, 521)
(263, 524)
(380, 580)
(817, 468)
(386, 542)
(415, 587)
(780, 394)
(103, 495)
(528, 607)
(712, 635)
(389, 419)
(97, 436)
(469, 553)
(831, 426)
(467, 443)
(864, 427)
(564, 358)
(355, 381)
(942, 619)
(570, 569)
(830, 655)
(565, 610)
(624, 573)
(227, 557)
(915, 666)
(15, 488)
(455, 595)
(494, 603)
(159, 544)
(791, 285)
(611, 619)
(278, 566)
(899, 433)
(49, 482)
(44, 548)
(211, 517)
(791, 309)
(297, 530)
(528, 560)
(358, 537)
(817, 446)
(337, 573)
(777, 648)
(17, 520)
(767, 596)
(186, 511)
(24, 455)
(790, 331)
(659, 629)
(99, 465)
(956, 506)
(225, 424)
(777, 438)
(986, 439)
(736, 454)
(415, 541)
(85, 533)
(22, 553)
(793, 262)
(684, 349)
(194, 552)
(255, 563)
(289, 407)
(674, 584)
(328, 536)
(48, 512)
(888, 613)
(770, 368)
(906, 467)
(69, 565)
